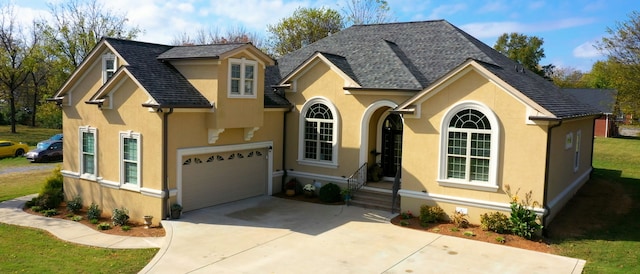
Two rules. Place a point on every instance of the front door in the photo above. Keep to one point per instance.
(391, 145)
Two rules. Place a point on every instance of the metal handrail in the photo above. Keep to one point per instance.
(357, 180)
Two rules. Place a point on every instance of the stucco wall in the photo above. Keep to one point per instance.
(521, 157)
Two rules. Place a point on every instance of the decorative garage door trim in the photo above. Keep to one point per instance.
(182, 152)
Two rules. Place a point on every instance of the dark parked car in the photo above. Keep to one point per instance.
(46, 151)
(57, 137)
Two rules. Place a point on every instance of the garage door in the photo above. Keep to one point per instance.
(222, 177)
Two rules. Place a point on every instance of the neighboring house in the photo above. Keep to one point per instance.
(605, 101)
(204, 125)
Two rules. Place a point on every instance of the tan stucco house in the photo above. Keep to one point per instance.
(149, 125)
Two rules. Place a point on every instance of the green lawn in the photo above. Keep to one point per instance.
(613, 244)
(28, 135)
(26, 250)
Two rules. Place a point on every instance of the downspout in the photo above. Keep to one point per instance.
(547, 210)
(165, 163)
(593, 141)
(284, 148)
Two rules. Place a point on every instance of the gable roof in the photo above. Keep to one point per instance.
(602, 99)
(161, 80)
(415, 55)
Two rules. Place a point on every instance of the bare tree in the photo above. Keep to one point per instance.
(358, 12)
(237, 34)
(16, 59)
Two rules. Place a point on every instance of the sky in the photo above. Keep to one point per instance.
(569, 29)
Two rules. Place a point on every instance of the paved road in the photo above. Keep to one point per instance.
(30, 167)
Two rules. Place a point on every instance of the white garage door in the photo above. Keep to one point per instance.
(221, 177)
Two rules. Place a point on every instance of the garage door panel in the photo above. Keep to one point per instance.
(211, 179)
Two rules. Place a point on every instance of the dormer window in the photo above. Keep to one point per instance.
(109, 66)
(242, 78)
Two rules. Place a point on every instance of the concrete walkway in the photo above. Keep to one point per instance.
(273, 235)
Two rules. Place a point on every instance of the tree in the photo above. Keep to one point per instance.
(358, 12)
(526, 50)
(236, 34)
(622, 47)
(568, 77)
(16, 60)
(78, 26)
(305, 26)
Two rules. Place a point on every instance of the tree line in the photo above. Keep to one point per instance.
(35, 60)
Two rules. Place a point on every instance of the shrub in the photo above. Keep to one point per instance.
(53, 183)
(406, 215)
(120, 216)
(76, 218)
(36, 208)
(104, 226)
(404, 223)
(94, 212)
(50, 212)
(469, 233)
(523, 220)
(51, 194)
(75, 204)
(460, 219)
(431, 214)
(501, 239)
(125, 228)
(330, 193)
(496, 222)
(93, 221)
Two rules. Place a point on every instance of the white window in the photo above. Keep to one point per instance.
(243, 80)
(469, 144)
(318, 134)
(88, 149)
(576, 156)
(130, 159)
(109, 66)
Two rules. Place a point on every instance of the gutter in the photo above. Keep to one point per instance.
(165, 163)
(547, 210)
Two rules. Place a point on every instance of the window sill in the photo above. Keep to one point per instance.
(130, 187)
(318, 163)
(242, 96)
(89, 177)
(482, 186)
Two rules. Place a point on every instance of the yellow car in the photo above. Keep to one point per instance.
(11, 149)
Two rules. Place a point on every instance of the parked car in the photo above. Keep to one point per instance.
(11, 149)
(57, 137)
(46, 151)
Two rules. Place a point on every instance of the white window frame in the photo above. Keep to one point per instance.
(138, 137)
(105, 72)
(335, 135)
(243, 63)
(81, 154)
(492, 183)
(576, 154)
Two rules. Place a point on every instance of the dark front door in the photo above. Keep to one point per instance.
(391, 145)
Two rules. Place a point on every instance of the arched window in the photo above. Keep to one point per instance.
(318, 136)
(469, 147)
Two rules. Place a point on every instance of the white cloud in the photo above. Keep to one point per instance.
(442, 11)
(495, 29)
(587, 50)
(493, 6)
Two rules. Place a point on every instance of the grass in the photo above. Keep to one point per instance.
(28, 135)
(613, 247)
(13, 162)
(18, 184)
(34, 251)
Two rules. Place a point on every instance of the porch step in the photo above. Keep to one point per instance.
(379, 199)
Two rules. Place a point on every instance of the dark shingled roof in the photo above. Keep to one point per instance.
(164, 83)
(413, 55)
(201, 51)
(602, 99)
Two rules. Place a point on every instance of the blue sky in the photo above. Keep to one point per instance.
(569, 28)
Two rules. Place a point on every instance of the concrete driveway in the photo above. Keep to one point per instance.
(274, 235)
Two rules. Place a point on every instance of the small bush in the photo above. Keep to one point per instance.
(51, 194)
(469, 234)
(94, 221)
(125, 228)
(94, 212)
(50, 212)
(103, 226)
(454, 229)
(431, 214)
(523, 220)
(404, 223)
(460, 219)
(330, 193)
(31, 203)
(76, 218)
(406, 215)
(496, 222)
(120, 216)
(75, 204)
(36, 208)
(501, 239)
(69, 215)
